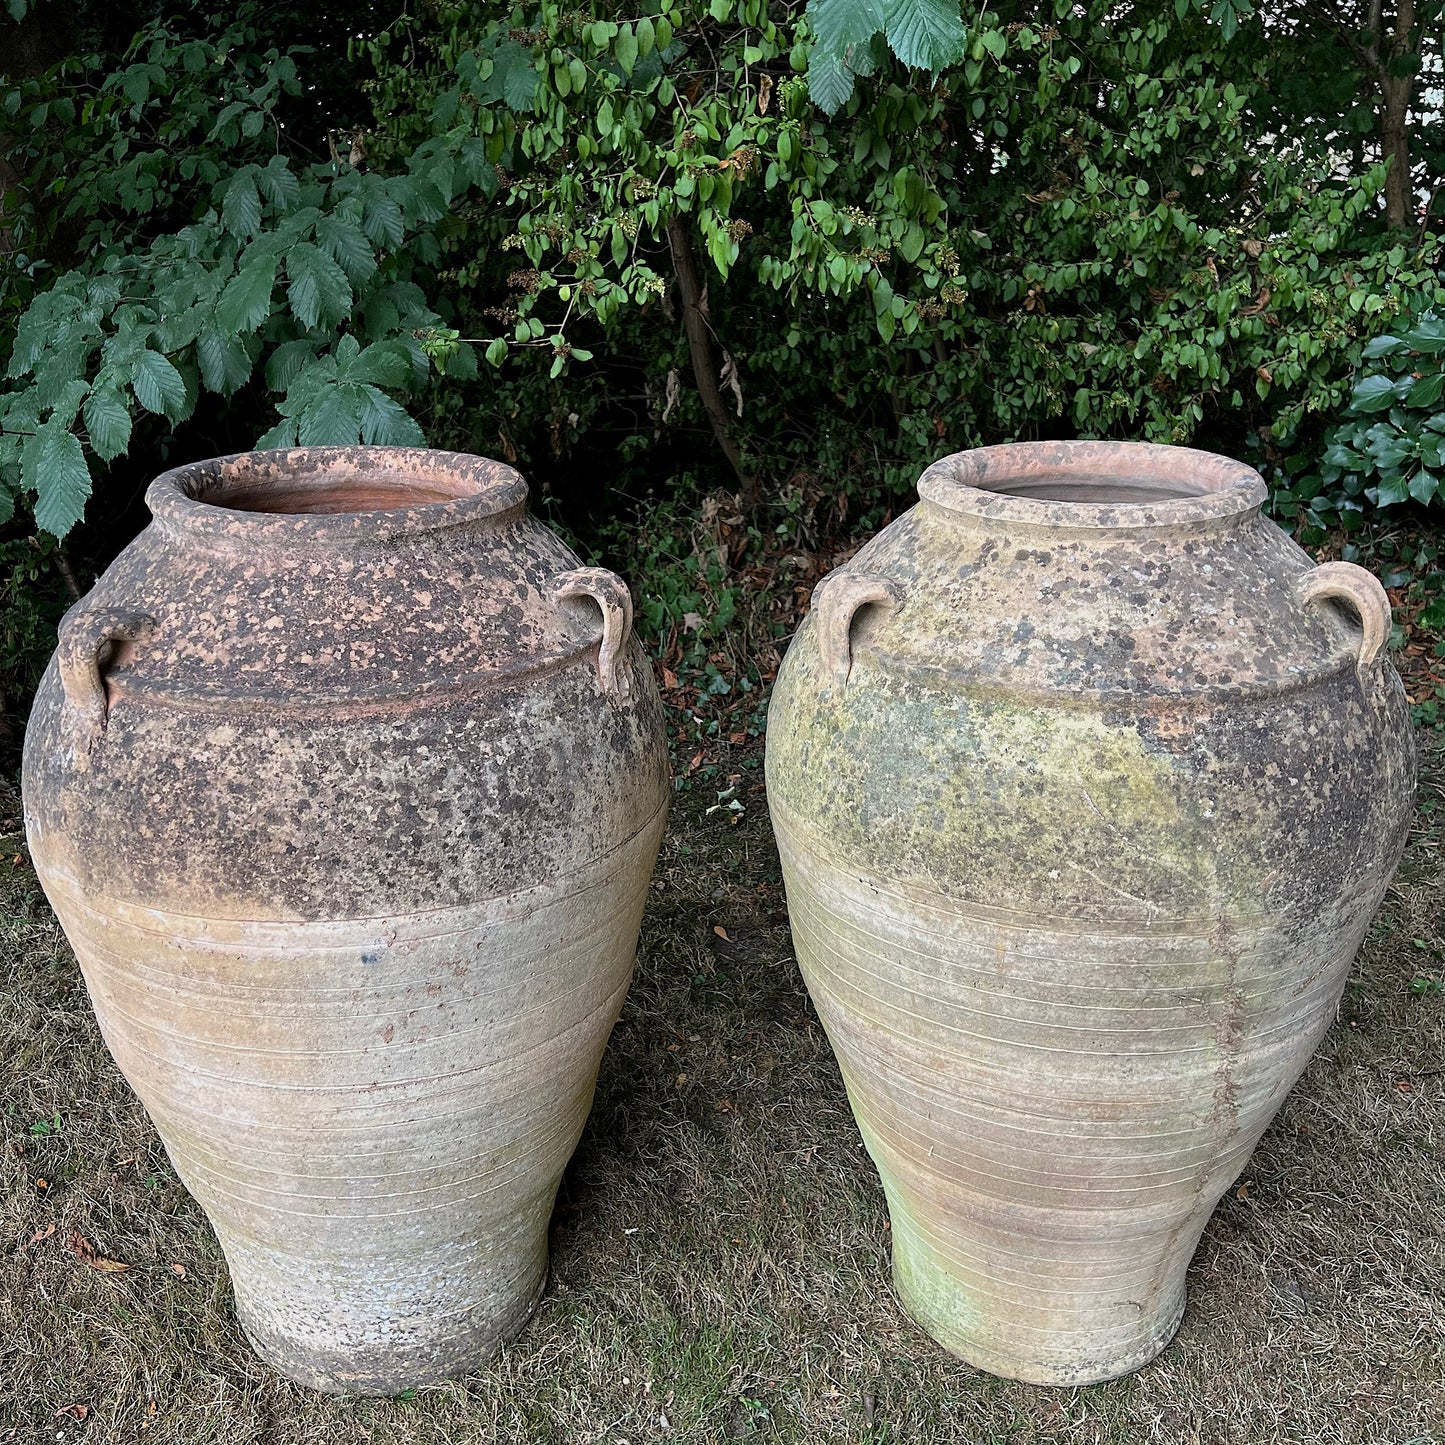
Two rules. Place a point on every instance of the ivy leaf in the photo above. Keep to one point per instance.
(1382, 346)
(318, 289)
(829, 83)
(385, 423)
(1373, 393)
(1423, 487)
(343, 241)
(1426, 391)
(1428, 336)
(62, 479)
(926, 34)
(107, 421)
(246, 301)
(223, 359)
(1391, 492)
(158, 385)
(241, 205)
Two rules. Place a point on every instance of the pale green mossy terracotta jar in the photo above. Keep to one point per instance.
(1087, 782)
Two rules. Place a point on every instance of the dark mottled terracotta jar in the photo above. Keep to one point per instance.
(1087, 782)
(346, 783)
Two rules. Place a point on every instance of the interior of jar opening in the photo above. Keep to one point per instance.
(334, 492)
(1138, 488)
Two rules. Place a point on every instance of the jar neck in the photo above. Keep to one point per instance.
(1097, 487)
(333, 497)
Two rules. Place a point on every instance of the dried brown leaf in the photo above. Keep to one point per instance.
(91, 1257)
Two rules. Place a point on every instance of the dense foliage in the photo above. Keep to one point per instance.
(655, 250)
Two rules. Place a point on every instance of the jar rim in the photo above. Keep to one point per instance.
(300, 494)
(1023, 481)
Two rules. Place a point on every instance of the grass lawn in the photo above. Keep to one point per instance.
(720, 1246)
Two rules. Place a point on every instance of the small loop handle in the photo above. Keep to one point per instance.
(836, 601)
(85, 633)
(1360, 588)
(610, 594)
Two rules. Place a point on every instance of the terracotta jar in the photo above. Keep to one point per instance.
(346, 783)
(1087, 782)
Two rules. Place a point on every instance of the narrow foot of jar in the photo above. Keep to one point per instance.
(1025, 1334)
(388, 1355)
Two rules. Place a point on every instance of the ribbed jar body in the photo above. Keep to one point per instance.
(346, 785)
(1086, 786)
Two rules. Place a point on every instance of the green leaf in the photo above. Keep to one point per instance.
(829, 83)
(278, 184)
(287, 362)
(624, 49)
(1391, 492)
(246, 301)
(515, 76)
(1382, 346)
(62, 479)
(910, 244)
(333, 418)
(839, 24)
(1373, 393)
(1426, 391)
(343, 241)
(497, 351)
(317, 287)
(283, 434)
(241, 205)
(158, 386)
(1423, 487)
(385, 423)
(381, 219)
(1428, 336)
(223, 359)
(107, 422)
(927, 34)
(385, 364)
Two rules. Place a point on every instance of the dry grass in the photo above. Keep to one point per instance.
(720, 1246)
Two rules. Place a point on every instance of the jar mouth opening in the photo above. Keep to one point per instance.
(341, 491)
(1093, 484)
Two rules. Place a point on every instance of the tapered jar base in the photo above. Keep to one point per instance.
(399, 1345)
(1016, 1334)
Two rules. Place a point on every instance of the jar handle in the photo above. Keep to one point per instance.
(84, 635)
(1362, 590)
(837, 600)
(610, 594)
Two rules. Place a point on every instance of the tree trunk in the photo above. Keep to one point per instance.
(699, 345)
(1387, 49)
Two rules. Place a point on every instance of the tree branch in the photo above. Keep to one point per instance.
(699, 346)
